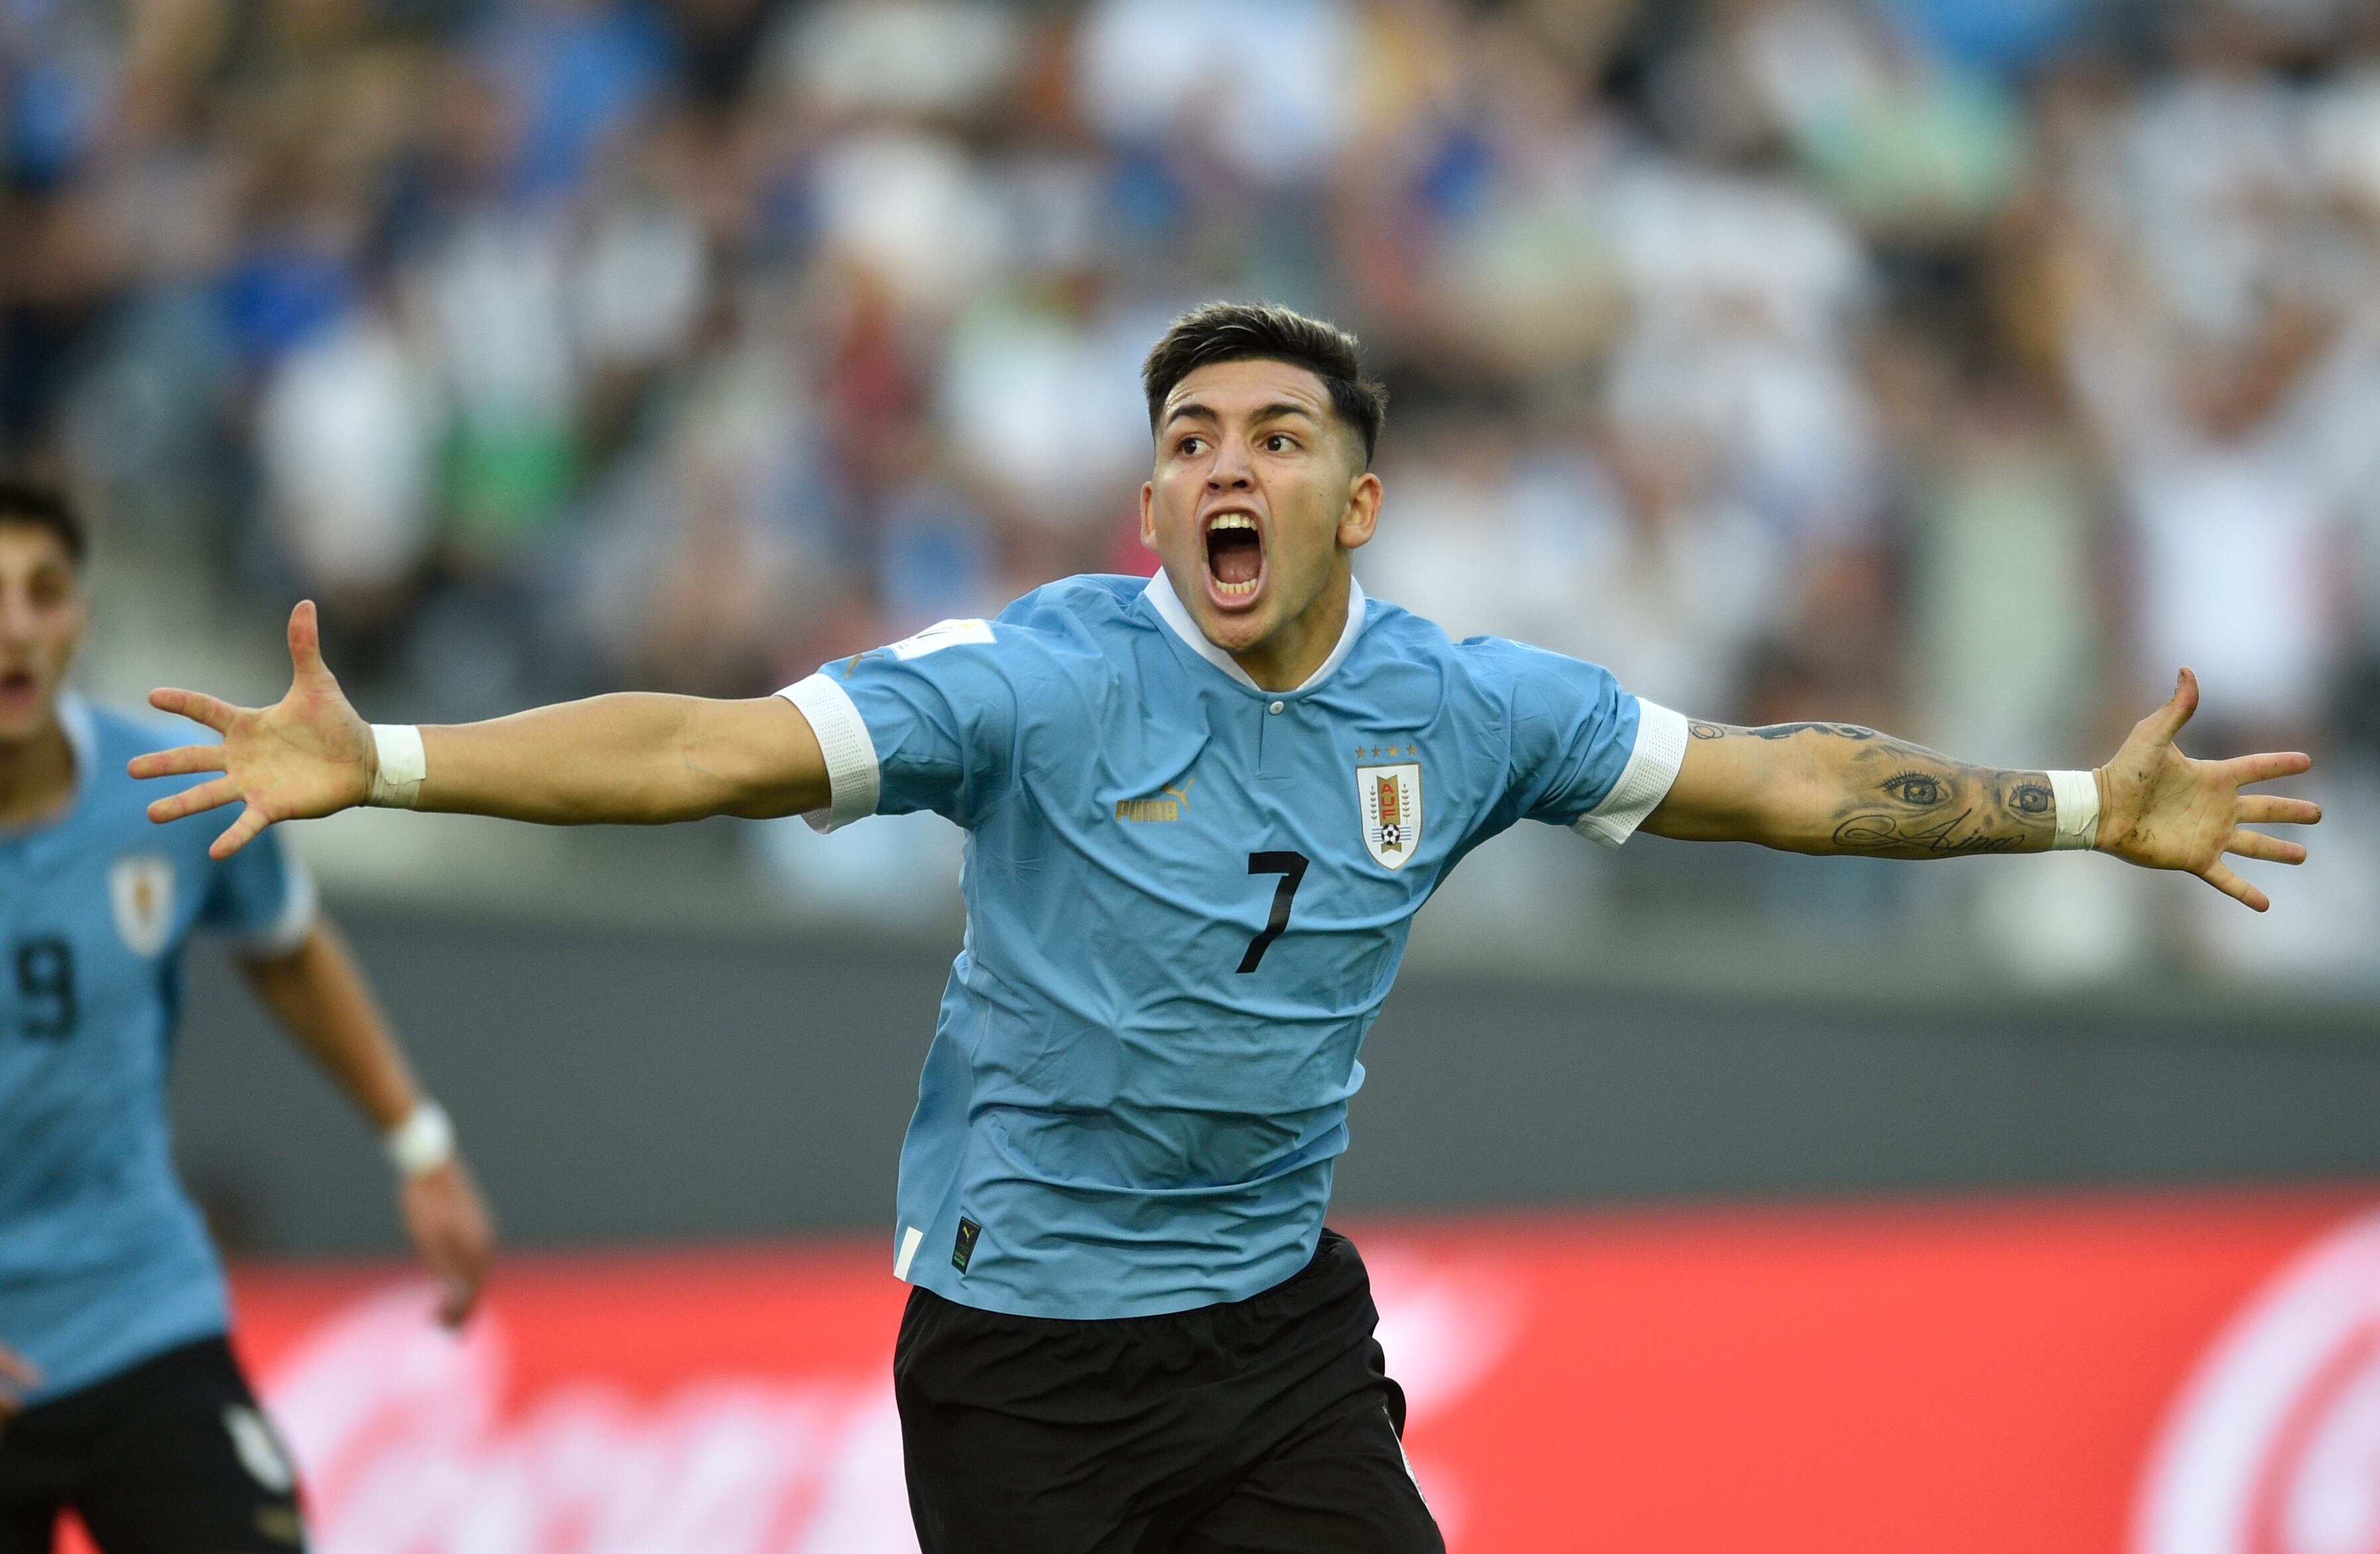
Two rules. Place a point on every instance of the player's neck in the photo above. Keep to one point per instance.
(1289, 657)
(37, 776)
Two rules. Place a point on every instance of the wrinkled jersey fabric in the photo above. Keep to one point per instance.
(103, 1261)
(1186, 899)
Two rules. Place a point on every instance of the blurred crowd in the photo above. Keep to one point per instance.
(1959, 366)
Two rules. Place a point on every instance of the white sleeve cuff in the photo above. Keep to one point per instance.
(2077, 796)
(299, 912)
(1644, 782)
(852, 775)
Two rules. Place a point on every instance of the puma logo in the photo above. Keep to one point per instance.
(1169, 805)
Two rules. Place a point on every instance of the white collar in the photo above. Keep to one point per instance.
(82, 739)
(1175, 614)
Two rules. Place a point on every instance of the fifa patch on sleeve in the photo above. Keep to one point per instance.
(963, 1248)
(941, 634)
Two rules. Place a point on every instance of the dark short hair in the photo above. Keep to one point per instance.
(1268, 332)
(39, 506)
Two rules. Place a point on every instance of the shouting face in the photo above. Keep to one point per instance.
(1258, 494)
(42, 618)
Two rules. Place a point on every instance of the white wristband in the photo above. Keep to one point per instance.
(2078, 809)
(402, 765)
(422, 1143)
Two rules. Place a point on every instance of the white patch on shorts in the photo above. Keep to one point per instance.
(260, 1450)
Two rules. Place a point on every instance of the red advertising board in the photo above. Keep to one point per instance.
(2171, 1376)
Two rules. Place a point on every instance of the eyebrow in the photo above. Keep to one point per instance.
(1195, 411)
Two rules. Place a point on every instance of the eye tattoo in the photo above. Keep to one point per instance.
(2031, 799)
(1915, 788)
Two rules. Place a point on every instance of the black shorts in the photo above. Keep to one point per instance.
(170, 1457)
(1268, 1424)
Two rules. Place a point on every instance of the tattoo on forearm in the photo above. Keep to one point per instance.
(1903, 801)
(1894, 836)
(1780, 731)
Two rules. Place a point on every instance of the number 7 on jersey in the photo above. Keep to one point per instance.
(1291, 867)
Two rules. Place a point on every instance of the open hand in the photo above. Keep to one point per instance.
(19, 1375)
(305, 756)
(2161, 809)
(452, 1230)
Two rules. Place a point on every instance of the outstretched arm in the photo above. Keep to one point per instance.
(1838, 788)
(628, 759)
(320, 995)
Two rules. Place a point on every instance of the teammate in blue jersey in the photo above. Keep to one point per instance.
(1201, 812)
(119, 1397)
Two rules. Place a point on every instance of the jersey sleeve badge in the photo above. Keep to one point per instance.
(942, 634)
(1387, 797)
(142, 888)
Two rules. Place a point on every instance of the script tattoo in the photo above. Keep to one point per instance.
(1894, 837)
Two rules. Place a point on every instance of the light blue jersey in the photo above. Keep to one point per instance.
(102, 1259)
(1186, 898)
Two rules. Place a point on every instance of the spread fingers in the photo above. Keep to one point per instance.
(197, 800)
(2272, 849)
(197, 706)
(2268, 809)
(178, 763)
(2222, 879)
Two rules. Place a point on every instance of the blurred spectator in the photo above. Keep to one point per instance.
(1915, 148)
(903, 57)
(490, 295)
(1042, 403)
(1267, 88)
(2005, 584)
(575, 73)
(915, 209)
(347, 434)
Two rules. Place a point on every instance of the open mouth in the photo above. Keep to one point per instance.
(1236, 558)
(20, 694)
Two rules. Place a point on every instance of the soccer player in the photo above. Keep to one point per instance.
(119, 1397)
(1202, 811)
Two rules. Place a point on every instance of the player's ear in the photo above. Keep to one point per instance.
(1148, 515)
(1362, 514)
